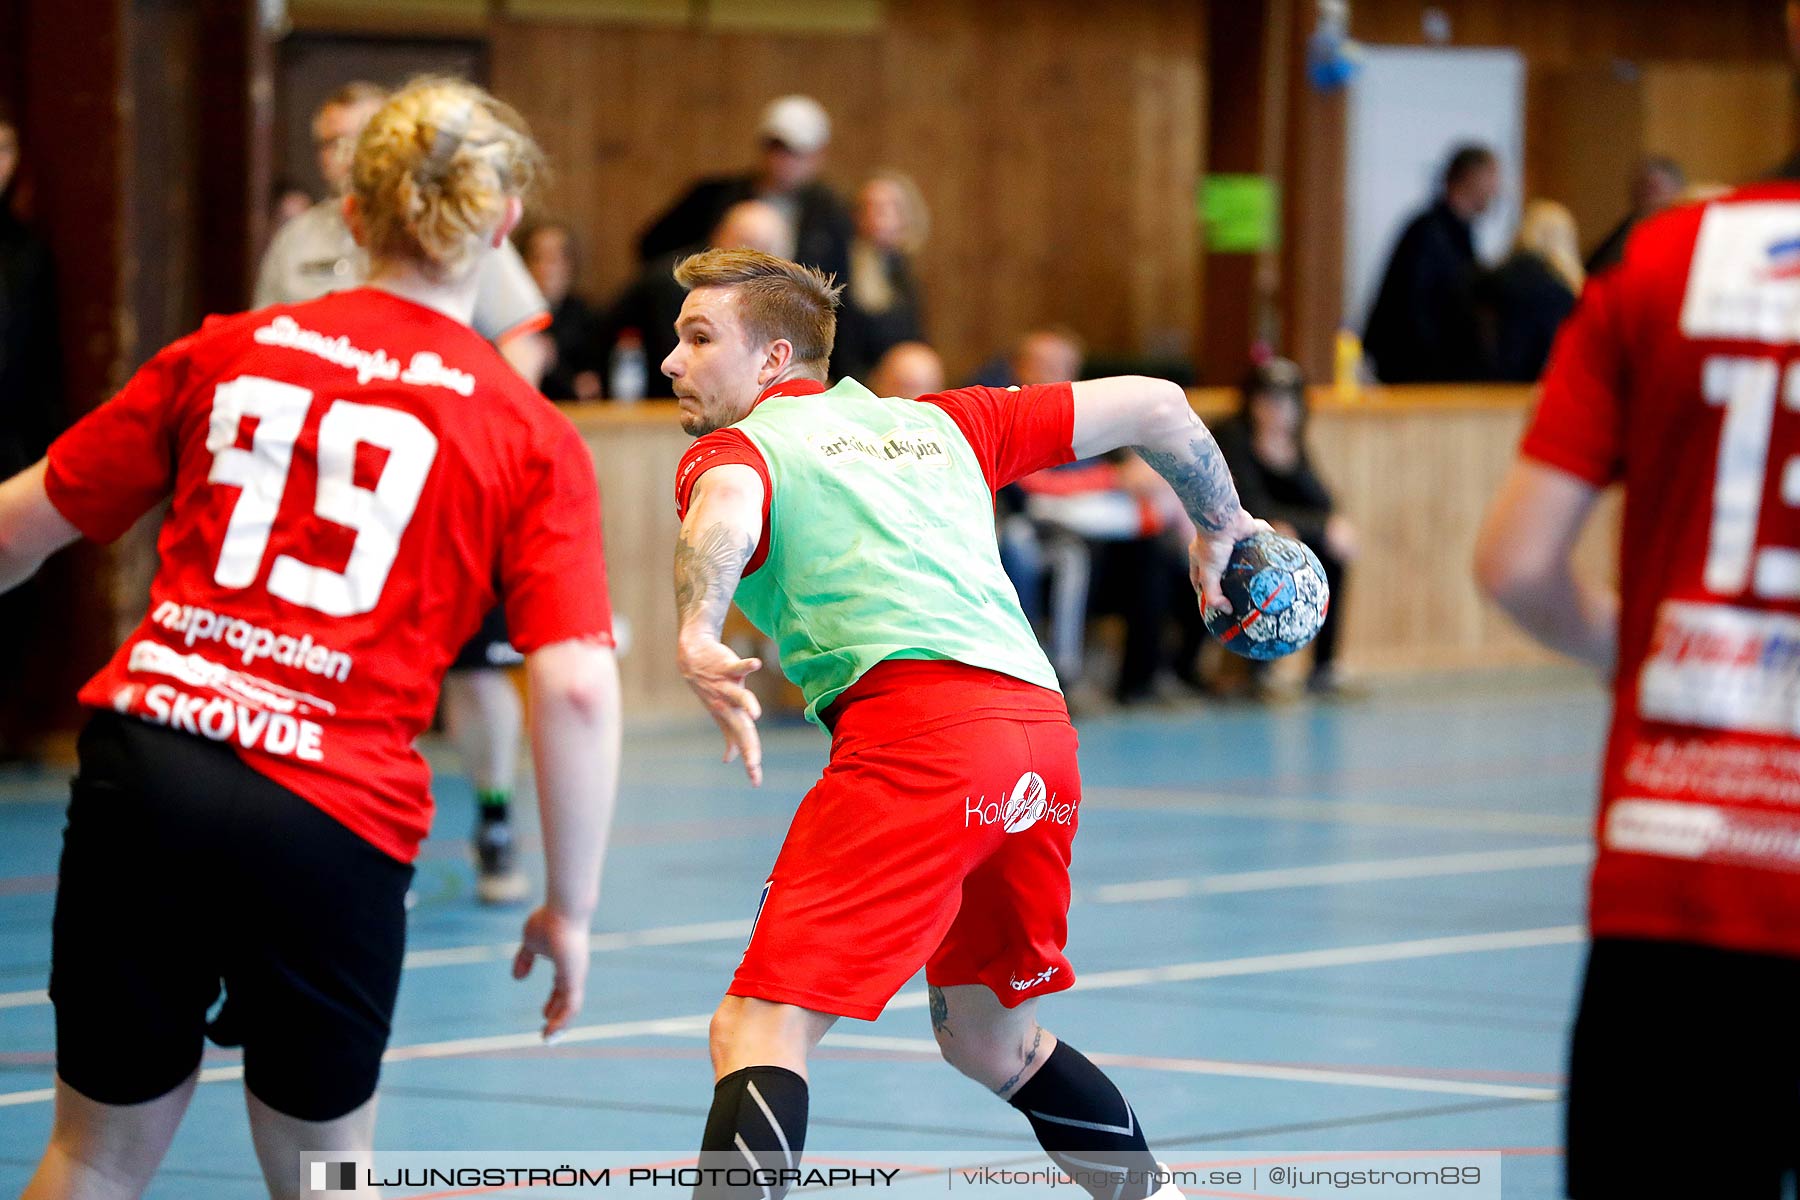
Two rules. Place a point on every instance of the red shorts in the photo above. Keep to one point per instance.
(947, 849)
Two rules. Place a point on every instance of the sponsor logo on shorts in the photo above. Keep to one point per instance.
(1029, 802)
(1025, 985)
(252, 642)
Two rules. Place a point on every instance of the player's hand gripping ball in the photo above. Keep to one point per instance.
(1278, 596)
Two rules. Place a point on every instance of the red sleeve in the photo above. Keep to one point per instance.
(552, 560)
(716, 449)
(117, 462)
(1579, 425)
(1013, 431)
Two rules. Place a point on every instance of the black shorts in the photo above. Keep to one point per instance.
(490, 647)
(184, 871)
(1684, 1073)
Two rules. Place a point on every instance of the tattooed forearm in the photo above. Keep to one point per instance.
(1191, 462)
(940, 1011)
(707, 571)
(1006, 1088)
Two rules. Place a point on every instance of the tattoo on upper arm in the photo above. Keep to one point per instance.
(1037, 1040)
(940, 1011)
(1197, 471)
(707, 571)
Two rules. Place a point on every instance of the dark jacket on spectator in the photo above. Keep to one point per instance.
(821, 239)
(650, 305)
(575, 329)
(1295, 495)
(1522, 303)
(864, 336)
(31, 409)
(1609, 252)
(1422, 328)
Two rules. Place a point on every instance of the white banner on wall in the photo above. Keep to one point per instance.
(1409, 108)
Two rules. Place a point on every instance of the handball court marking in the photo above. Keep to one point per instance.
(1261, 964)
(1428, 866)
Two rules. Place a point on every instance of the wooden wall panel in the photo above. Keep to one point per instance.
(1057, 144)
(1724, 123)
(1575, 32)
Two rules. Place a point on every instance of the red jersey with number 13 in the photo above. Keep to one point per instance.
(1679, 374)
(353, 481)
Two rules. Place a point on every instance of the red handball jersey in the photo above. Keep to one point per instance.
(353, 482)
(1679, 374)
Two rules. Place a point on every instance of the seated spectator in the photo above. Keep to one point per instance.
(794, 132)
(908, 371)
(1422, 328)
(651, 304)
(1658, 184)
(1089, 537)
(549, 251)
(1265, 446)
(881, 303)
(1524, 301)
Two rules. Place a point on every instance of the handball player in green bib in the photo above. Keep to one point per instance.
(857, 532)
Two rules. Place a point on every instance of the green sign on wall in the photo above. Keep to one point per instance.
(1238, 213)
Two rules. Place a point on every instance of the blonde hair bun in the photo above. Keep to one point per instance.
(434, 172)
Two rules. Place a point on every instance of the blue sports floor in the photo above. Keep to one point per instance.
(1349, 926)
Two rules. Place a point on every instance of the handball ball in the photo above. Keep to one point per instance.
(1278, 596)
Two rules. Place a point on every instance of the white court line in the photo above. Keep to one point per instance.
(1242, 1070)
(1340, 812)
(1262, 964)
(1421, 867)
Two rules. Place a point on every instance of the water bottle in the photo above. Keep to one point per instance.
(630, 374)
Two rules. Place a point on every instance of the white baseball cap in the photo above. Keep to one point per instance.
(797, 122)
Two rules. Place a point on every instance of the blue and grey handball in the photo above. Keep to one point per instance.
(1278, 596)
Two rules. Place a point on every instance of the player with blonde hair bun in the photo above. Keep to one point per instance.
(355, 480)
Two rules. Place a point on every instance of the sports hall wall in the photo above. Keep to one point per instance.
(1059, 143)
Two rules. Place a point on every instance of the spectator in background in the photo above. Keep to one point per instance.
(1265, 446)
(652, 302)
(908, 371)
(550, 254)
(31, 403)
(1659, 183)
(1422, 328)
(1524, 301)
(881, 305)
(1088, 538)
(794, 132)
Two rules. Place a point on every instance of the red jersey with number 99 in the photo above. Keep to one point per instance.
(352, 484)
(1679, 374)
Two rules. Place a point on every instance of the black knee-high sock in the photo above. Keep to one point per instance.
(1088, 1127)
(757, 1127)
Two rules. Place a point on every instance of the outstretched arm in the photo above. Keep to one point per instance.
(31, 529)
(575, 721)
(1522, 561)
(1153, 416)
(718, 536)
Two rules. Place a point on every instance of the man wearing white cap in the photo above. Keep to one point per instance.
(794, 131)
